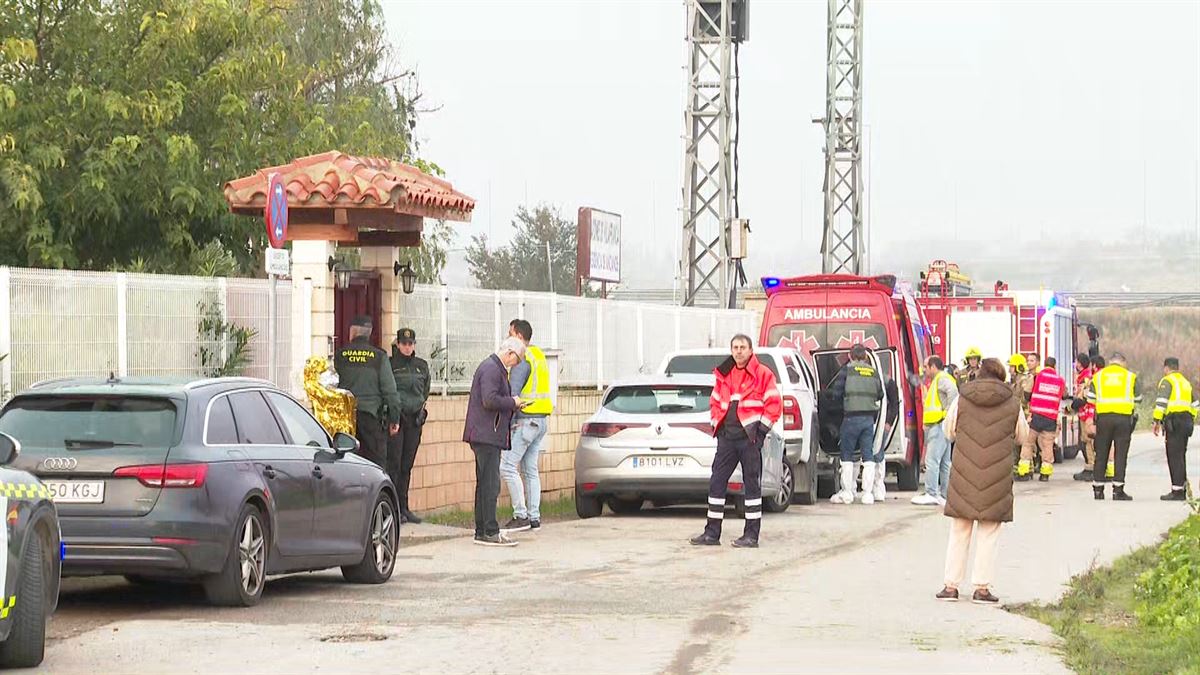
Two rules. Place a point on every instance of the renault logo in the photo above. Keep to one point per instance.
(59, 463)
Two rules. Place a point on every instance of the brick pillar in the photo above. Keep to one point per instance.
(310, 260)
(381, 259)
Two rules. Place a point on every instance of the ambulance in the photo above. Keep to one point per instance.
(822, 317)
(1007, 322)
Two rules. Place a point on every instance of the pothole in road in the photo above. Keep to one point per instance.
(355, 637)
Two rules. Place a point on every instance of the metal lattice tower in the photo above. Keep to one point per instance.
(705, 267)
(843, 245)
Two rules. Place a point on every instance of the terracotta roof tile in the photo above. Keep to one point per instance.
(335, 179)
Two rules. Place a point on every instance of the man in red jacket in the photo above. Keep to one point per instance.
(1044, 404)
(745, 405)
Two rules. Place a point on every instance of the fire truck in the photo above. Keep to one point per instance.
(1006, 322)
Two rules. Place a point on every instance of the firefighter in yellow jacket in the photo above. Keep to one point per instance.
(1114, 392)
(1175, 417)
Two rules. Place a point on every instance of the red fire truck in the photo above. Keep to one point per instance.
(1007, 322)
(823, 316)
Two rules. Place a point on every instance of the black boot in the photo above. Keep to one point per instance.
(1085, 475)
(410, 517)
(1174, 496)
(1098, 492)
(1023, 477)
(1119, 494)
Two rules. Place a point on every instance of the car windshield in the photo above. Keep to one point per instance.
(658, 399)
(90, 422)
(704, 364)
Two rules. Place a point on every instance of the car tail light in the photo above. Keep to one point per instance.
(166, 476)
(792, 419)
(735, 486)
(588, 487)
(606, 429)
(706, 427)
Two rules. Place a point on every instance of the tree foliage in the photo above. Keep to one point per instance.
(522, 264)
(121, 120)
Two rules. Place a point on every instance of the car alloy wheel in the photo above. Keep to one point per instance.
(252, 553)
(383, 537)
(788, 478)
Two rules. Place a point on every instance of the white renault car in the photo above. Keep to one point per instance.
(652, 440)
(797, 384)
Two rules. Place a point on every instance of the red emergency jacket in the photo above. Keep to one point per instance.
(1048, 390)
(1083, 379)
(758, 396)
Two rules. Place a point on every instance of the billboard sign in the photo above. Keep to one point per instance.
(598, 245)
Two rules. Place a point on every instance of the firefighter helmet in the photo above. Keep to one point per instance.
(1017, 360)
(973, 353)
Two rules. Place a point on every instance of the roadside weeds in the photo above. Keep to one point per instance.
(1137, 616)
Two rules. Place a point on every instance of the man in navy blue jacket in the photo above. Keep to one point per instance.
(488, 430)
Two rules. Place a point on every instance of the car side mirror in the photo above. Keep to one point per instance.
(344, 443)
(10, 448)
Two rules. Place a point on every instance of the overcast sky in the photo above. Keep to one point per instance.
(993, 121)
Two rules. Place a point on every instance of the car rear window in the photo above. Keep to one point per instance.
(704, 364)
(57, 422)
(655, 399)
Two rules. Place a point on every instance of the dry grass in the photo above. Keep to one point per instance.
(1146, 336)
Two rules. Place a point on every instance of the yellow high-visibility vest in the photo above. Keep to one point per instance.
(537, 387)
(1113, 388)
(934, 410)
(1180, 399)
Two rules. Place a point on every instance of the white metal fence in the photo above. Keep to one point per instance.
(57, 323)
(67, 323)
(599, 340)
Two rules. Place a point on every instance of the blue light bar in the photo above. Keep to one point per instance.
(769, 282)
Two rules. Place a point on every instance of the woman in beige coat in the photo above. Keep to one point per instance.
(984, 421)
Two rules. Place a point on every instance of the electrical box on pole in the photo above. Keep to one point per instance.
(843, 246)
(707, 269)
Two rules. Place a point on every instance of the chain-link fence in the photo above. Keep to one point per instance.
(598, 340)
(56, 323)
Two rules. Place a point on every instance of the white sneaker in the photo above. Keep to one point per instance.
(941, 501)
(925, 500)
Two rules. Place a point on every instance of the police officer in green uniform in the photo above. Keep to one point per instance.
(365, 371)
(412, 383)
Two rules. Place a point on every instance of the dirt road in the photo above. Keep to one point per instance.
(832, 589)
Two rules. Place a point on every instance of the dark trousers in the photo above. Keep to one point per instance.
(487, 488)
(1112, 430)
(730, 453)
(372, 438)
(402, 452)
(1177, 444)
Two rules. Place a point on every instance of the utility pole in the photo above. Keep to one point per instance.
(843, 246)
(705, 266)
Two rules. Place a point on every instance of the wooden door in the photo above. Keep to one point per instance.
(364, 296)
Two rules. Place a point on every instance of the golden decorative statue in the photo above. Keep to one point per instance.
(333, 407)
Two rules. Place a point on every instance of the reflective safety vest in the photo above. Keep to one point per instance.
(537, 387)
(1113, 390)
(1048, 390)
(1178, 400)
(934, 410)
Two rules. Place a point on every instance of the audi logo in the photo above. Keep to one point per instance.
(59, 463)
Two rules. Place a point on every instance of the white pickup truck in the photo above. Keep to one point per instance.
(798, 425)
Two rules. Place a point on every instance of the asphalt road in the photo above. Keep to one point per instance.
(832, 589)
